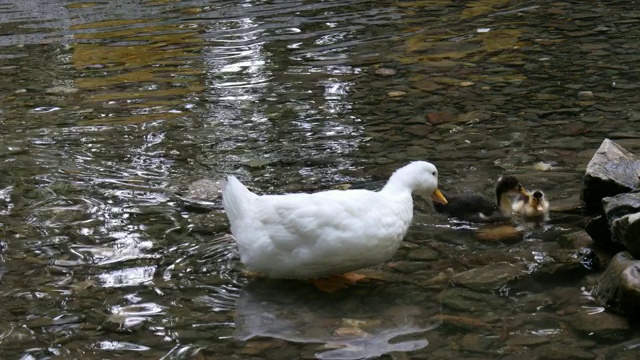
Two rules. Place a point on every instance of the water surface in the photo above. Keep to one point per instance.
(110, 110)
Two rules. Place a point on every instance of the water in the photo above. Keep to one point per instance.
(110, 110)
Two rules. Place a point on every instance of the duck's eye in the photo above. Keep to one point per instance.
(434, 173)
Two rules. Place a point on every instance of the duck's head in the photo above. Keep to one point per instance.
(421, 177)
(536, 198)
(510, 185)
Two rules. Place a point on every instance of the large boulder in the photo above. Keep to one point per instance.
(598, 229)
(623, 218)
(626, 231)
(618, 288)
(619, 227)
(615, 207)
(611, 171)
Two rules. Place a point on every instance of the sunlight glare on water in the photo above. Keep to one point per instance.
(119, 121)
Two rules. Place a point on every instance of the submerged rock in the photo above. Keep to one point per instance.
(611, 171)
(561, 352)
(566, 263)
(504, 233)
(601, 325)
(618, 288)
(202, 196)
(574, 240)
(488, 277)
(204, 189)
(466, 300)
(623, 351)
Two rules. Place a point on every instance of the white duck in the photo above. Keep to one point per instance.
(327, 233)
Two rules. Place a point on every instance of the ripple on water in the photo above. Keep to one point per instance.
(107, 106)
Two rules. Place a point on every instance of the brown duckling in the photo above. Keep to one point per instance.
(532, 207)
(479, 208)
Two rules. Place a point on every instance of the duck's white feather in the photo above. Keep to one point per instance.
(325, 233)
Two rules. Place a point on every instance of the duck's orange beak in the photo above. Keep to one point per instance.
(438, 197)
(524, 191)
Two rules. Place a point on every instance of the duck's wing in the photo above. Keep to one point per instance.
(519, 206)
(301, 221)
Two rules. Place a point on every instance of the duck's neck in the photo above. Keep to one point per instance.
(401, 181)
(504, 203)
(534, 203)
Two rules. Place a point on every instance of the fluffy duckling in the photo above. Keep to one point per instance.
(479, 208)
(532, 207)
(325, 233)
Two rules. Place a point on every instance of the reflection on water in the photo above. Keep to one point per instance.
(108, 110)
(360, 324)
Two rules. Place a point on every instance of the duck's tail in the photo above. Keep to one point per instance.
(235, 197)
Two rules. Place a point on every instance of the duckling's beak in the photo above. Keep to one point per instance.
(524, 191)
(438, 197)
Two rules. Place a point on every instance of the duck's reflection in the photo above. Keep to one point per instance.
(356, 323)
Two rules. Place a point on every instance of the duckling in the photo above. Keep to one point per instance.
(479, 208)
(532, 207)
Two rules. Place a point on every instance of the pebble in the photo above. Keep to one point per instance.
(395, 93)
(437, 118)
(386, 71)
(62, 90)
(476, 343)
(527, 340)
(420, 130)
(542, 166)
(585, 95)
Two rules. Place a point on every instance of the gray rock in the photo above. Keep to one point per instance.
(202, 196)
(488, 277)
(204, 189)
(598, 229)
(618, 288)
(626, 231)
(620, 205)
(611, 171)
(622, 213)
